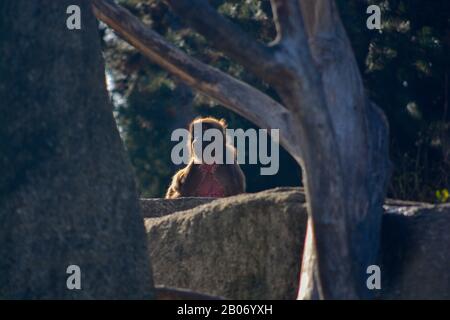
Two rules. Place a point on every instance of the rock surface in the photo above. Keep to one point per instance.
(415, 252)
(249, 247)
(67, 192)
(157, 207)
(243, 247)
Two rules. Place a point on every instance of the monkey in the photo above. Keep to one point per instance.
(207, 180)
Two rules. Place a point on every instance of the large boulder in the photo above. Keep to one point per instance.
(67, 191)
(415, 252)
(249, 246)
(243, 247)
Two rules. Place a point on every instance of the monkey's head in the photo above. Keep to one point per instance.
(196, 135)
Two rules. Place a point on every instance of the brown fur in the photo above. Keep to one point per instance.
(186, 181)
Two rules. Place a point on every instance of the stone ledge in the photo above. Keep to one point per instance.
(159, 207)
(249, 246)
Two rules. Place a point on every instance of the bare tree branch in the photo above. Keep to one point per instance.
(322, 18)
(227, 37)
(328, 268)
(288, 20)
(236, 95)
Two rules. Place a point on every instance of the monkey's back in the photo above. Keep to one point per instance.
(207, 181)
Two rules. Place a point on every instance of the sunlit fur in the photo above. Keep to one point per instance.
(186, 181)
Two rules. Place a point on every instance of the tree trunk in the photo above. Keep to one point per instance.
(67, 194)
(346, 183)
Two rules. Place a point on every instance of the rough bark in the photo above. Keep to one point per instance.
(364, 161)
(67, 194)
(341, 135)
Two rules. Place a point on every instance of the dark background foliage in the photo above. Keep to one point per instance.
(405, 67)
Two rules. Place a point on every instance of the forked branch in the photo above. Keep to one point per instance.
(227, 37)
(234, 94)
